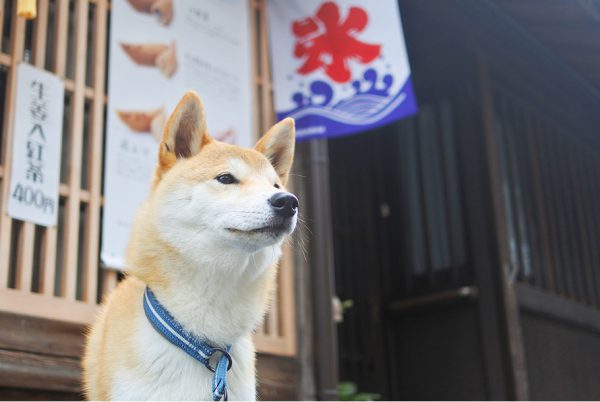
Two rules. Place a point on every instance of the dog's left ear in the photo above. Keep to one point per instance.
(278, 146)
(185, 131)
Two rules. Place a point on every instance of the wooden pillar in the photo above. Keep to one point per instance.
(17, 42)
(322, 273)
(95, 156)
(510, 321)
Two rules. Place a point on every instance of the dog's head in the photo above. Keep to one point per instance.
(215, 198)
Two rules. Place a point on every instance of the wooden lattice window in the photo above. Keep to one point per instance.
(54, 272)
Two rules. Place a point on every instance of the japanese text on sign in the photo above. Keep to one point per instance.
(37, 139)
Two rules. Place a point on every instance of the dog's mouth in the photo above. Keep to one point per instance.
(274, 229)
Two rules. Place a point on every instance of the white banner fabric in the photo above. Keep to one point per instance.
(339, 67)
(158, 51)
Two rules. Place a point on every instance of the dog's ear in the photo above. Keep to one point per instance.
(185, 131)
(278, 146)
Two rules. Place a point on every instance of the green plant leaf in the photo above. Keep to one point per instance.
(366, 396)
(346, 390)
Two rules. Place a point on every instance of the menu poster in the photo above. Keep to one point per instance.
(159, 50)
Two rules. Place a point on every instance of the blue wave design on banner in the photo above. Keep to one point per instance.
(365, 110)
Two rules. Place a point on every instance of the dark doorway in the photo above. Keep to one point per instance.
(402, 260)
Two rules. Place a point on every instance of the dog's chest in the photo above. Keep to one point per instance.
(165, 372)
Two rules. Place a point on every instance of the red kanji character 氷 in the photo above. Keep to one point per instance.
(333, 45)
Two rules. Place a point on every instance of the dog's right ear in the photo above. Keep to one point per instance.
(185, 132)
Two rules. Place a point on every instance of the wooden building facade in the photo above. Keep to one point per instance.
(466, 237)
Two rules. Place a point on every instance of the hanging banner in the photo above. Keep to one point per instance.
(37, 140)
(339, 67)
(159, 49)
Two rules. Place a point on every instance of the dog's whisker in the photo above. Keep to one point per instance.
(176, 200)
(306, 228)
(254, 262)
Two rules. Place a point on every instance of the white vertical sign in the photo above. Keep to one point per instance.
(37, 139)
(158, 51)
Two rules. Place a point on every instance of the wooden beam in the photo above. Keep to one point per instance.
(464, 293)
(89, 91)
(510, 313)
(2, 12)
(61, 26)
(37, 335)
(24, 261)
(268, 113)
(72, 208)
(542, 214)
(40, 33)
(92, 226)
(322, 273)
(5, 59)
(52, 308)
(278, 378)
(24, 268)
(547, 304)
(287, 302)
(484, 259)
(17, 40)
(49, 239)
(254, 23)
(48, 261)
(37, 371)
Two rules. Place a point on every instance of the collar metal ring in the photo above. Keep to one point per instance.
(224, 353)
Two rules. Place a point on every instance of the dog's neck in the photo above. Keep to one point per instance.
(219, 299)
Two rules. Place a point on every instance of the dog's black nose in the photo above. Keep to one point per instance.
(284, 204)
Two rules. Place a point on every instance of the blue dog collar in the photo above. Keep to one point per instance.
(171, 330)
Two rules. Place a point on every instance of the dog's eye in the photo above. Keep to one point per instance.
(226, 178)
(276, 185)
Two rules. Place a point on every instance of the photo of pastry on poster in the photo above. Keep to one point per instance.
(158, 50)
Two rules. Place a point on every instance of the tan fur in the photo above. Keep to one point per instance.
(111, 341)
(187, 156)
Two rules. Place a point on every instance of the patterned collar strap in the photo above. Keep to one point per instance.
(169, 328)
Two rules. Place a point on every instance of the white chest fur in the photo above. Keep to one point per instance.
(166, 372)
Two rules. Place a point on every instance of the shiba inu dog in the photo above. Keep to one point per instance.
(205, 244)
